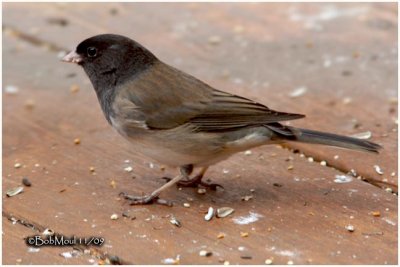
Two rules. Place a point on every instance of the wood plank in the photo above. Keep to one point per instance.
(357, 46)
(303, 220)
(16, 233)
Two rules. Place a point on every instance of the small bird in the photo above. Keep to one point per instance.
(178, 120)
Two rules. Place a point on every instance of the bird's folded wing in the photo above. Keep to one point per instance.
(222, 112)
(181, 99)
(228, 112)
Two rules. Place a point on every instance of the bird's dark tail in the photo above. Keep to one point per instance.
(315, 137)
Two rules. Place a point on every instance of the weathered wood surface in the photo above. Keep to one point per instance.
(344, 54)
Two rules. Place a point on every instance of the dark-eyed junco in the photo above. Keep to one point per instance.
(179, 120)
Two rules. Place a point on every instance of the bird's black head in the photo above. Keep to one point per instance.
(110, 59)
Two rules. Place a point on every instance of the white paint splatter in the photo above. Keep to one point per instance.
(33, 250)
(327, 63)
(168, 261)
(11, 89)
(286, 253)
(67, 255)
(341, 179)
(252, 217)
(128, 169)
(328, 13)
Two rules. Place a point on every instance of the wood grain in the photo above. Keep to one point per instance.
(302, 218)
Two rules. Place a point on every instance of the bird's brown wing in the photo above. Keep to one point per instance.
(227, 112)
(167, 98)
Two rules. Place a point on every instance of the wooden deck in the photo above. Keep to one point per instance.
(344, 55)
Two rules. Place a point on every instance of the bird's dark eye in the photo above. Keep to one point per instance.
(91, 51)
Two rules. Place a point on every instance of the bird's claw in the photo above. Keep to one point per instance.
(145, 200)
(195, 183)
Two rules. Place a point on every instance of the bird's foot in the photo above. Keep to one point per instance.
(195, 183)
(145, 200)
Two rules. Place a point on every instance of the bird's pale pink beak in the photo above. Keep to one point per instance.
(72, 57)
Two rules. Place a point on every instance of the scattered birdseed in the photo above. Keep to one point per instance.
(114, 260)
(241, 248)
(341, 179)
(389, 190)
(393, 100)
(393, 174)
(205, 253)
(74, 88)
(226, 262)
(252, 190)
(310, 159)
(323, 163)
(210, 214)
(248, 152)
(77, 141)
(246, 257)
(350, 228)
(238, 29)
(33, 250)
(201, 191)
(91, 169)
(290, 167)
(298, 92)
(186, 205)
(268, 261)
(225, 171)
(220, 235)
(247, 198)
(114, 216)
(15, 191)
(376, 213)
(69, 254)
(347, 100)
(11, 90)
(113, 184)
(244, 234)
(17, 165)
(224, 212)
(363, 135)
(214, 40)
(290, 262)
(151, 165)
(378, 169)
(48, 232)
(29, 104)
(128, 169)
(336, 157)
(353, 172)
(26, 182)
(175, 221)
